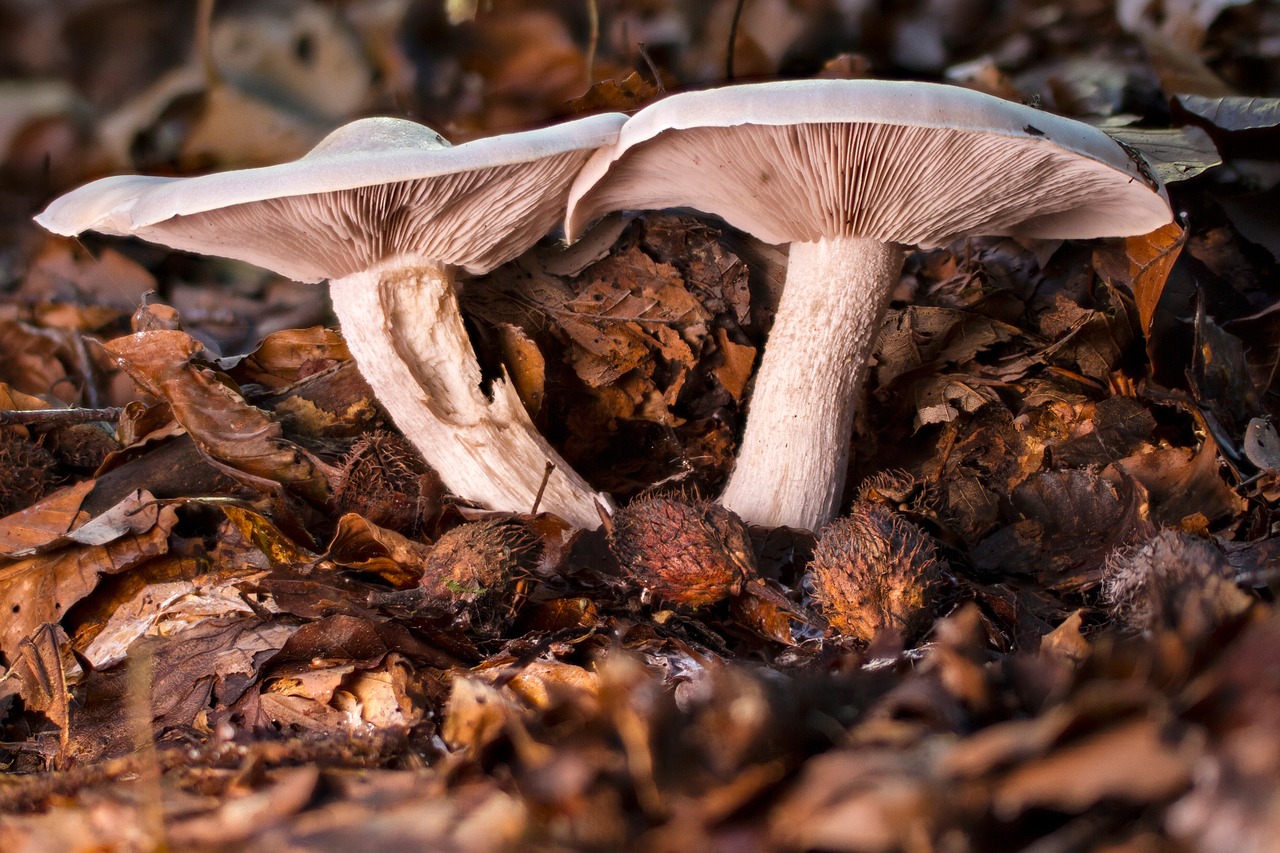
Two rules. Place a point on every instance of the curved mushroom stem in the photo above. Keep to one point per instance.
(795, 449)
(402, 323)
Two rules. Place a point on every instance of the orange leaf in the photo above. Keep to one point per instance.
(1144, 266)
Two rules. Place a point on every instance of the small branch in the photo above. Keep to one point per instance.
(204, 47)
(733, 39)
(593, 39)
(58, 417)
(653, 68)
(542, 487)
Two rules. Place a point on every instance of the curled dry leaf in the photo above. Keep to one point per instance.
(1181, 483)
(242, 438)
(1142, 264)
(360, 544)
(1133, 761)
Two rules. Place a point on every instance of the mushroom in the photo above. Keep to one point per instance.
(849, 172)
(387, 211)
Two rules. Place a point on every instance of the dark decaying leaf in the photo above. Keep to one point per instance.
(1174, 154)
(205, 667)
(1068, 522)
(1233, 112)
(1181, 483)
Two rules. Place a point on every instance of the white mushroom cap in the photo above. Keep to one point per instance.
(370, 190)
(913, 163)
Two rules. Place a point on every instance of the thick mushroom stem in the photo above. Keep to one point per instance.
(791, 465)
(402, 323)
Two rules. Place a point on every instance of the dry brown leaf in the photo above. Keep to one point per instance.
(64, 270)
(1174, 154)
(164, 607)
(734, 370)
(284, 358)
(477, 714)
(359, 544)
(1232, 112)
(526, 366)
(631, 93)
(1132, 761)
(545, 684)
(222, 424)
(45, 667)
(237, 820)
(864, 801)
(195, 675)
(40, 362)
(1181, 483)
(1065, 641)
(279, 549)
(44, 524)
(40, 589)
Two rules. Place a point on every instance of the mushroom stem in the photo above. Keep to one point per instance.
(425, 374)
(795, 449)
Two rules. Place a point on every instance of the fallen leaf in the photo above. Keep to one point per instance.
(1066, 641)
(42, 588)
(359, 544)
(1143, 266)
(526, 366)
(1233, 113)
(1174, 154)
(863, 801)
(734, 371)
(1132, 761)
(1181, 483)
(225, 427)
(631, 93)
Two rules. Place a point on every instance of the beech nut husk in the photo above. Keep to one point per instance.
(480, 569)
(874, 570)
(385, 480)
(681, 551)
(1173, 578)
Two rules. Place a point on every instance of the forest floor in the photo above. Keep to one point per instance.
(213, 543)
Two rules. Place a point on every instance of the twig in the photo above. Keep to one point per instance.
(204, 47)
(58, 417)
(653, 68)
(733, 39)
(542, 487)
(593, 39)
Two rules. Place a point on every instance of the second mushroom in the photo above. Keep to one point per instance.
(849, 172)
(387, 210)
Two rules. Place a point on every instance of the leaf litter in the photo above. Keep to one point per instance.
(237, 609)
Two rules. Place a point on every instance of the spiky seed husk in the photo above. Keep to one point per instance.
(30, 472)
(682, 551)
(891, 488)
(481, 568)
(1148, 585)
(385, 480)
(873, 570)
